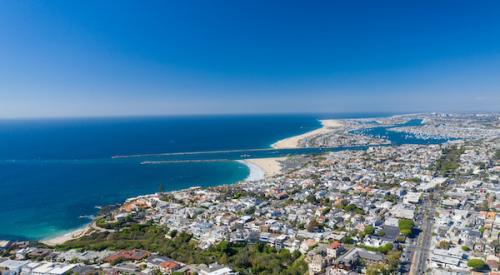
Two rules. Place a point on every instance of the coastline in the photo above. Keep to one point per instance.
(260, 168)
(68, 236)
(293, 142)
(255, 171)
(263, 167)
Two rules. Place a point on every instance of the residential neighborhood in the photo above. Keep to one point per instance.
(400, 209)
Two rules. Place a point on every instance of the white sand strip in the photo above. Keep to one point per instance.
(256, 173)
(293, 142)
(263, 167)
(75, 234)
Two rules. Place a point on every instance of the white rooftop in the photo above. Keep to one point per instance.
(13, 264)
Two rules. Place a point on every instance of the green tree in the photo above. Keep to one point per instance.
(369, 230)
(476, 264)
(393, 259)
(405, 226)
(326, 210)
(313, 225)
(378, 269)
(443, 245)
(481, 229)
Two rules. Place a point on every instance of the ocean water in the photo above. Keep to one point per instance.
(54, 172)
(43, 199)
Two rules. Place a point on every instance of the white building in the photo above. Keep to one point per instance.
(12, 266)
(216, 269)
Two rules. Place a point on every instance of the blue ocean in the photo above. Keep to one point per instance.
(54, 173)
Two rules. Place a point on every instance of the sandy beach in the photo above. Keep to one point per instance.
(293, 142)
(256, 172)
(67, 237)
(268, 167)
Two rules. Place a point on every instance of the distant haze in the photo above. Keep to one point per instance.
(105, 58)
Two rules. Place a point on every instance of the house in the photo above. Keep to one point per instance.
(169, 266)
(216, 269)
(334, 250)
(12, 266)
(403, 213)
(450, 203)
(135, 204)
(27, 269)
(291, 244)
(128, 255)
(317, 264)
(370, 257)
(85, 270)
(412, 198)
(306, 245)
(4, 244)
(349, 260)
(60, 269)
(492, 261)
(391, 222)
(446, 258)
(53, 269)
(123, 268)
(428, 186)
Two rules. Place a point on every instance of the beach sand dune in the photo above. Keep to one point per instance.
(293, 142)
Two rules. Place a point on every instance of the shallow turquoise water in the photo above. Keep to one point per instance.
(43, 199)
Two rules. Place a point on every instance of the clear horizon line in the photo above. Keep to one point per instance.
(235, 114)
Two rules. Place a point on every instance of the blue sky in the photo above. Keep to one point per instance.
(99, 58)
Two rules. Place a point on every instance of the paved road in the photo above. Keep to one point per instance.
(421, 254)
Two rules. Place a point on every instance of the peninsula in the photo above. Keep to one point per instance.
(328, 125)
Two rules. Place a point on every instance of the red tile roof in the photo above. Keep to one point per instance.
(168, 264)
(335, 245)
